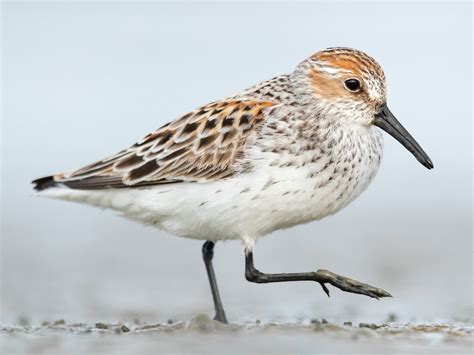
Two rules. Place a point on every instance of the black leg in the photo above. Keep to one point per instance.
(208, 254)
(322, 276)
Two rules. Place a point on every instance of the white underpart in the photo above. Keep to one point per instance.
(246, 206)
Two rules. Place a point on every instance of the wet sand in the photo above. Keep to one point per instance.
(201, 334)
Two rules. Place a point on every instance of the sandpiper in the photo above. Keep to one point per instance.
(289, 150)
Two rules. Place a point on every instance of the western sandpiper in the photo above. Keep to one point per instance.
(289, 150)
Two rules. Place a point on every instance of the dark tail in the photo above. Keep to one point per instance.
(44, 183)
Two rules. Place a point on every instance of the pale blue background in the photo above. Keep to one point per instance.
(82, 81)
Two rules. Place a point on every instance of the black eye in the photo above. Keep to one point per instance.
(352, 85)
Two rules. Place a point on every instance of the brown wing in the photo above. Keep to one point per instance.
(200, 146)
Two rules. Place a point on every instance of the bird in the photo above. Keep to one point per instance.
(289, 150)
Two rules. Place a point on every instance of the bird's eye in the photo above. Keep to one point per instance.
(352, 85)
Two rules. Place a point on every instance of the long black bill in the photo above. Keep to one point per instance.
(387, 121)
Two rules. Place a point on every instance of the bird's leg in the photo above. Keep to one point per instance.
(321, 276)
(207, 255)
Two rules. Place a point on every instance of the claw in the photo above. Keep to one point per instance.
(349, 285)
(325, 289)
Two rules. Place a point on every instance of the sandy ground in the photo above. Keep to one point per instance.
(202, 334)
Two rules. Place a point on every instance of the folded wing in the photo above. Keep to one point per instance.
(200, 146)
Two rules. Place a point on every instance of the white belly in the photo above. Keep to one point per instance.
(282, 190)
(247, 206)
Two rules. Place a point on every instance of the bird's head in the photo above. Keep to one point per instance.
(347, 84)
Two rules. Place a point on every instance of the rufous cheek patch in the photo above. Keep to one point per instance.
(327, 85)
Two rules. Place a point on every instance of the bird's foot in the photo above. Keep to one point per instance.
(220, 317)
(349, 285)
